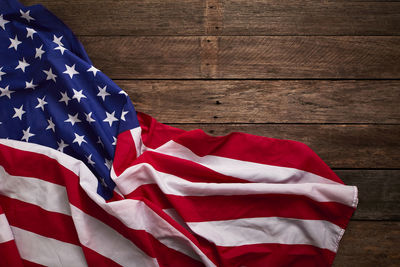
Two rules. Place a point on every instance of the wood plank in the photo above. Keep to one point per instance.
(110, 17)
(254, 101)
(242, 17)
(309, 57)
(369, 244)
(247, 57)
(238, 17)
(378, 192)
(145, 57)
(340, 146)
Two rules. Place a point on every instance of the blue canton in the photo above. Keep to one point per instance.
(51, 94)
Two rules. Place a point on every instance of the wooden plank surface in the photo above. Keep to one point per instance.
(237, 17)
(369, 244)
(250, 101)
(339, 145)
(246, 57)
(378, 192)
(346, 55)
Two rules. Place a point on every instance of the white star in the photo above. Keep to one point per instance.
(103, 182)
(30, 85)
(39, 52)
(30, 32)
(110, 118)
(108, 163)
(70, 70)
(3, 22)
(73, 119)
(93, 69)
(26, 15)
(14, 43)
(51, 125)
(123, 115)
(115, 141)
(61, 145)
(78, 95)
(102, 92)
(123, 93)
(27, 134)
(57, 40)
(22, 65)
(61, 48)
(1, 72)
(79, 139)
(90, 161)
(41, 102)
(5, 91)
(99, 142)
(50, 75)
(19, 112)
(64, 98)
(89, 117)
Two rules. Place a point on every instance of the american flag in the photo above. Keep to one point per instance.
(86, 180)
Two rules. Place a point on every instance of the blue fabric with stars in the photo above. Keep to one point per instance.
(51, 94)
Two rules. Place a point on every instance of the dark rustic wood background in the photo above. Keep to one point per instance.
(325, 73)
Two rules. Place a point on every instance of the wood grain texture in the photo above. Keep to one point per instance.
(130, 17)
(309, 57)
(310, 18)
(250, 101)
(378, 192)
(340, 146)
(145, 57)
(369, 244)
(247, 57)
(234, 17)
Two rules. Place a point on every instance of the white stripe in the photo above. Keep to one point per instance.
(137, 139)
(49, 196)
(5, 231)
(251, 171)
(108, 242)
(133, 213)
(249, 231)
(47, 251)
(144, 173)
(137, 215)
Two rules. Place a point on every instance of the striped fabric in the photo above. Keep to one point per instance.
(85, 180)
(182, 199)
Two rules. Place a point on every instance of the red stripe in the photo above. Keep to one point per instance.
(32, 166)
(188, 170)
(125, 152)
(214, 208)
(31, 264)
(240, 146)
(37, 220)
(275, 255)
(95, 259)
(41, 164)
(155, 134)
(9, 255)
